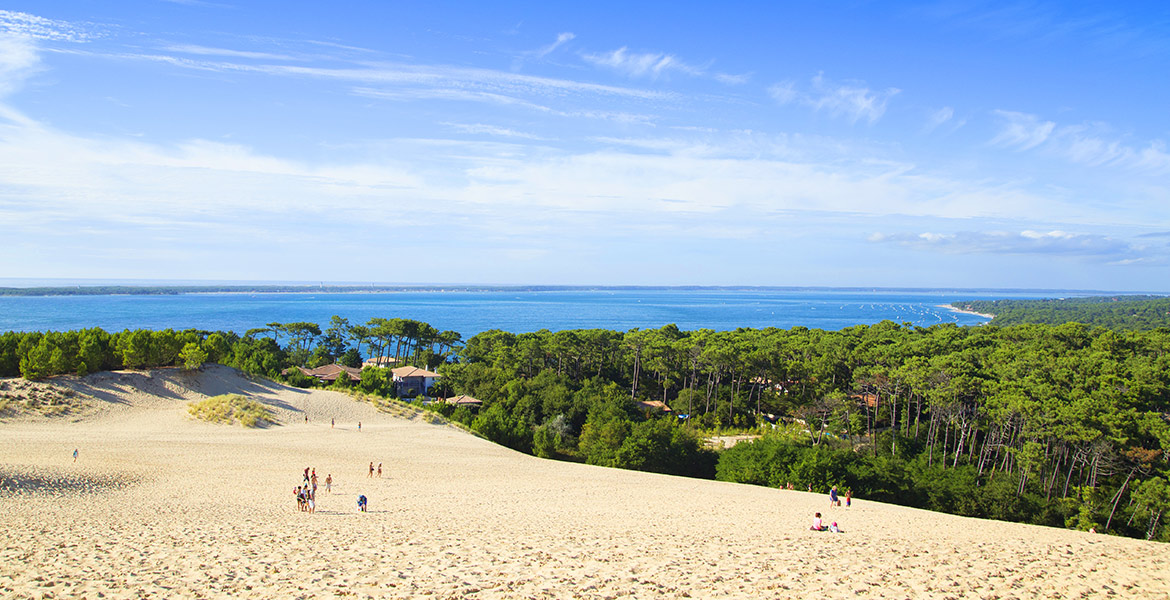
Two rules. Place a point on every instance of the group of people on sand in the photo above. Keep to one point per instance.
(835, 500)
(818, 523)
(306, 493)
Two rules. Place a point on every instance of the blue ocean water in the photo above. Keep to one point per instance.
(516, 311)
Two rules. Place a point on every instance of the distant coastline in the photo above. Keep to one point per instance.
(964, 311)
(168, 290)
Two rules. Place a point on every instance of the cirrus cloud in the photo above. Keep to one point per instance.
(852, 100)
(1054, 242)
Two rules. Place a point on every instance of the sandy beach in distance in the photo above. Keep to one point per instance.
(966, 312)
(160, 505)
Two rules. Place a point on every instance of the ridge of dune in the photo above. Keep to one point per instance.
(161, 505)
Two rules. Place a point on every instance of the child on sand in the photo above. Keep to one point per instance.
(848, 497)
(818, 524)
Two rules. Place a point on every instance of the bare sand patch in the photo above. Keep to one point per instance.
(207, 511)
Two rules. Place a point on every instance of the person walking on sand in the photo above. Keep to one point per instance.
(379, 470)
(833, 500)
(332, 423)
(371, 473)
(329, 483)
(75, 455)
(359, 425)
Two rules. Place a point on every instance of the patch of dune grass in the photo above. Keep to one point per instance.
(229, 408)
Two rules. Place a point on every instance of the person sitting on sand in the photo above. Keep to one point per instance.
(818, 524)
(834, 528)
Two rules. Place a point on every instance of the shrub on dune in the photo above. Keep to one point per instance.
(229, 408)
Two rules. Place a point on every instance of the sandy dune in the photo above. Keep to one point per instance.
(159, 505)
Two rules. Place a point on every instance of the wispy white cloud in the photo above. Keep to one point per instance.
(1053, 242)
(416, 74)
(1154, 157)
(944, 118)
(209, 51)
(18, 60)
(730, 79)
(1090, 144)
(644, 64)
(1022, 131)
(40, 28)
(561, 40)
(783, 92)
(480, 128)
(460, 95)
(653, 65)
(851, 100)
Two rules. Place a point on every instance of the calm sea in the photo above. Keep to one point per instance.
(517, 311)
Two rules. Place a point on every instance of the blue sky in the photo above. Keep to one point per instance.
(935, 144)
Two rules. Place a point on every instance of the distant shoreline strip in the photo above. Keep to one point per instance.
(172, 290)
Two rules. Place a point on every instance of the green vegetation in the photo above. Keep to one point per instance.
(1057, 425)
(229, 408)
(1141, 313)
(1048, 425)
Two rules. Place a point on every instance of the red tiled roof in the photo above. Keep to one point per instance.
(332, 372)
(412, 372)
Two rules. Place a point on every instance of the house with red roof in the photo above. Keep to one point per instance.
(413, 381)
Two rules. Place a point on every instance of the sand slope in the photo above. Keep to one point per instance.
(160, 505)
